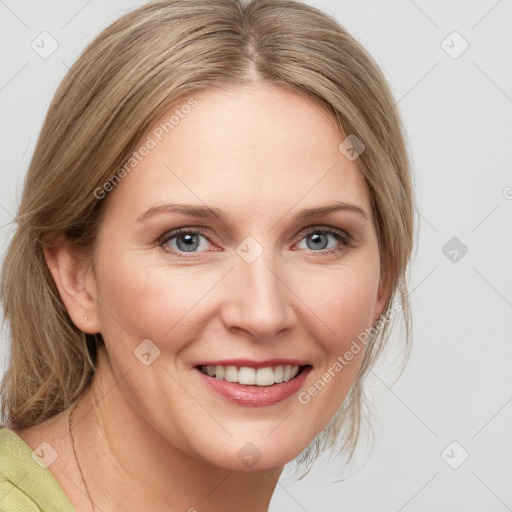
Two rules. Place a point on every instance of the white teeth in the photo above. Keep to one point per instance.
(247, 376)
(250, 376)
(231, 374)
(265, 377)
(219, 372)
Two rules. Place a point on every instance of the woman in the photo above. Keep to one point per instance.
(212, 241)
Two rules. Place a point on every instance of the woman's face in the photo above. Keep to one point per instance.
(263, 284)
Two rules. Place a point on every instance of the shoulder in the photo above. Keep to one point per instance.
(12, 499)
(26, 484)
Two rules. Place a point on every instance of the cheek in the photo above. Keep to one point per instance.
(343, 300)
(343, 303)
(141, 300)
(149, 300)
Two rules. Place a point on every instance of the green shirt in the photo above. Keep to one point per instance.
(25, 484)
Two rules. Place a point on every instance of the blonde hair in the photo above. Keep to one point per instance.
(126, 79)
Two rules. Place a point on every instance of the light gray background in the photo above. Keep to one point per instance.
(457, 112)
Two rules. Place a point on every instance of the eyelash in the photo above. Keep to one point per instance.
(343, 237)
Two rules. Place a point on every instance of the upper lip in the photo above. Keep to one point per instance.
(253, 364)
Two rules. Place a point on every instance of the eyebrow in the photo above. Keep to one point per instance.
(207, 212)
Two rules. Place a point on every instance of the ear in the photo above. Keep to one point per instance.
(382, 293)
(74, 277)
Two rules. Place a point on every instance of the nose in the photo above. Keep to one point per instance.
(259, 299)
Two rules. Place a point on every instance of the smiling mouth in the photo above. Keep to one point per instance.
(247, 376)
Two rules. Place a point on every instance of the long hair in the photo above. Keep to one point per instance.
(132, 73)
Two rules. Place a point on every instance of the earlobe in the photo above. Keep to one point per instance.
(74, 278)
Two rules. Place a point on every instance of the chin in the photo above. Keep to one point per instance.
(254, 453)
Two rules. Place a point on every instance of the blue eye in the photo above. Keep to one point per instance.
(319, 238)
(185, 240)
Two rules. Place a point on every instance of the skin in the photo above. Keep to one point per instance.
(261, 154)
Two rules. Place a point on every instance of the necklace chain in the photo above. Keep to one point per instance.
(70, 428)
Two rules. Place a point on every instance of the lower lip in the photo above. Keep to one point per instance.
(255, 396)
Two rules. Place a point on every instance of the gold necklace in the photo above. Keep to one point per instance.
(70, 428)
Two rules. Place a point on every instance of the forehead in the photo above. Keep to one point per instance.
(244, 149)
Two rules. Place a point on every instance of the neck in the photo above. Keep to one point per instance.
(128, 465)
